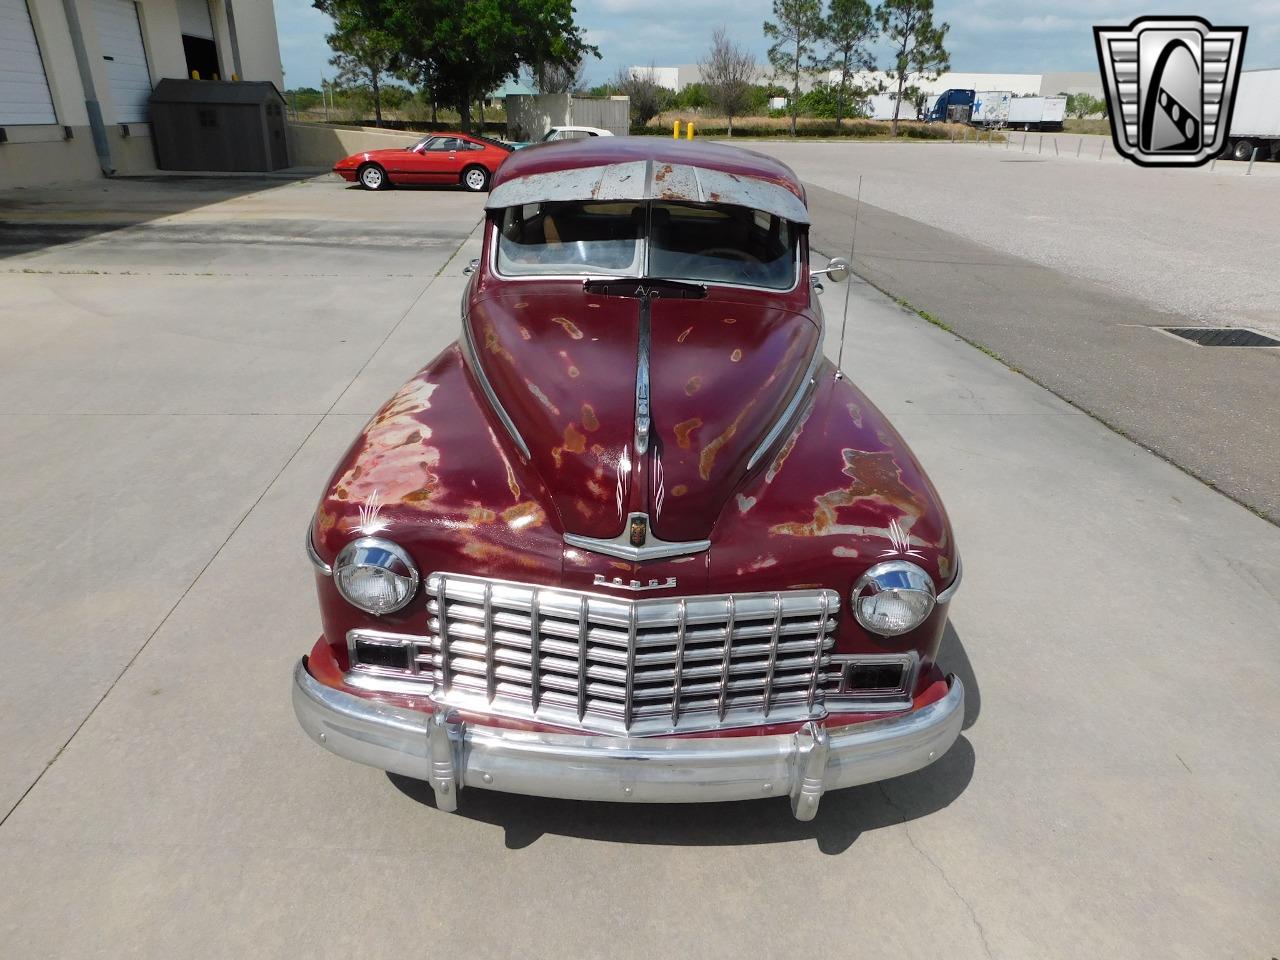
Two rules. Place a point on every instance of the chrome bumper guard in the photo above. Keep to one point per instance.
(450, 754)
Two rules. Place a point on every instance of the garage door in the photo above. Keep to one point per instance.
(128, 78)
(24, 91)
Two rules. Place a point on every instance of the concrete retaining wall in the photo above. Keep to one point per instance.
(322, 144)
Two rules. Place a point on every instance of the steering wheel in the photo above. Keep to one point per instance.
(733, 253)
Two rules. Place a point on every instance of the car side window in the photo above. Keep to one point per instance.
(469, 145)
(447, 144)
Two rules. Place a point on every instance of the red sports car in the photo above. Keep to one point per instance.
(439, 158)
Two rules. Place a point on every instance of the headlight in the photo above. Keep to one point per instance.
(893, 597)
(375, 575)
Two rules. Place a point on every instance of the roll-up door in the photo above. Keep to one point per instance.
(120, 35)
(24, 90)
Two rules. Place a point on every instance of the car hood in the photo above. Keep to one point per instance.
(384, 154)
(562, 363)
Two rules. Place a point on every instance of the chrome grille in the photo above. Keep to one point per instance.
(622, 665)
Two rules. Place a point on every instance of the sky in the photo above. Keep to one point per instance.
(986, 36)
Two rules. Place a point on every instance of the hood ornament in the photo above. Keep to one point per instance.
(624, 545)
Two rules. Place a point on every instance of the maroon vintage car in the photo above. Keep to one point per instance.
(633, 537)
(442, 158)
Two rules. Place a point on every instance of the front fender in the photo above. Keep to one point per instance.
(842, 492)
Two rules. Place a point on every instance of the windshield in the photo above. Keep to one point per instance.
(707, 242)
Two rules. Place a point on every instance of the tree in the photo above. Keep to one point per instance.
(362, 53)
(848, 29)
(797, 29)
(648, 97)
(915, 41)
(727, 74)
(466, 48)
(559, 77)
(1081, 105)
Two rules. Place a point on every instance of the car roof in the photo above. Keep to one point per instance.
(563, 155)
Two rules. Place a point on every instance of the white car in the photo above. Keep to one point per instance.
(566, 133)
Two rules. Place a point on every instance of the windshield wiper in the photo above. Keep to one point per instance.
(646, 288)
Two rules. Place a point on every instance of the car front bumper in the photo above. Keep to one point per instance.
(450, 754)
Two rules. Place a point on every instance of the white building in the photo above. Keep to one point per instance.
(76, 75)
(1019, 84)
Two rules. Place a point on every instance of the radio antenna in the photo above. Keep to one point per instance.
(844, 319)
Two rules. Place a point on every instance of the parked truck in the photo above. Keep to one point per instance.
(1038, 113)
(983, 108)
(1255, 120)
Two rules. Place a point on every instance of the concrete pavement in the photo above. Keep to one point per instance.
(1109, 796)
(1044, 309)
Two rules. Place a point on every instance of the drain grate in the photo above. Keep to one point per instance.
(1222, 336)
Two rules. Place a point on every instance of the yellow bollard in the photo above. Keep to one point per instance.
(689, 130)
(675, 131)
(195, 74)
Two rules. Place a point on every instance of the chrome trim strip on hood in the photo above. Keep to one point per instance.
(643, 180)
(473, 361)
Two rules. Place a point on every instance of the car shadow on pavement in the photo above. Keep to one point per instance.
(843, 816)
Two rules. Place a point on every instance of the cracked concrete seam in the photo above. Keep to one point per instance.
(973, 914)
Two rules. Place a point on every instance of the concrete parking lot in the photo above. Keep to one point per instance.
(175, 386)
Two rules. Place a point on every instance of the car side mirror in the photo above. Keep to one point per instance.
(471, 268)
(837, 270)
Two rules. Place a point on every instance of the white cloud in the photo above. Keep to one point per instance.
(998, 36)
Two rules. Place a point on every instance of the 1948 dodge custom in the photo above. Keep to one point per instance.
(633, 537)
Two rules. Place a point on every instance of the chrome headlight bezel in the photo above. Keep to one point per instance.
(901, 577)
(377, 554)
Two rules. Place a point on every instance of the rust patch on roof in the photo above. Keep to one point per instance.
(685, 429)
(662, 173)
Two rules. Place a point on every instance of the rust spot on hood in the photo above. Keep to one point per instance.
(522, 515)
(684, 429)
(478, 515)
(876, 476)
(735, 356)
(569, 326)
(494, 346)
(693, 386)
(712, 449)
(590, 422)
(574, 442)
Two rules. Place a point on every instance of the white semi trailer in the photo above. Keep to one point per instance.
(1255, 119)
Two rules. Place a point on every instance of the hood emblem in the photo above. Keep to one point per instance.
(625, 545)
(639, 527)
(635, 586)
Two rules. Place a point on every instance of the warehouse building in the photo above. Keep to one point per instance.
(76, 76)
